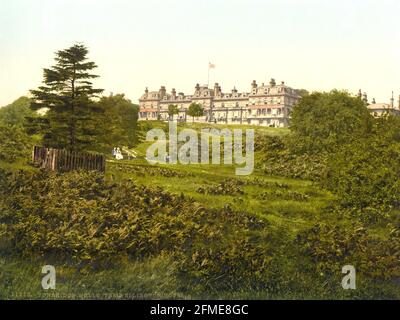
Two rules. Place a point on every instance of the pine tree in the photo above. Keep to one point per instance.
(67, 94)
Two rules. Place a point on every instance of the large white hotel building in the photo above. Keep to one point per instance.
(266, 105)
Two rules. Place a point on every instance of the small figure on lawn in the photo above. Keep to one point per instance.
(118, 154)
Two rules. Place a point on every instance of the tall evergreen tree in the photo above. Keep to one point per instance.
(67, 94)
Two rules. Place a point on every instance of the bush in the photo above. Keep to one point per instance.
(226, 187)
(277, 158)
(15, 114)
(325, 121)
(332, 247)
(366, 173)
(14, 143)
(82, 218)
(231, 251)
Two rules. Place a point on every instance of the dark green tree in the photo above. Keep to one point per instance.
(119, 127)
(172, 110)
(195, 110)
(15, 114)
(366, 172)
(71, 120)
(324, 121)
(14, 143)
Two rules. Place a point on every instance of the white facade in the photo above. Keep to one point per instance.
(266, 105)
(381, 109)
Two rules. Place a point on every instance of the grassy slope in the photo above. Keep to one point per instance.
(155, 278)
(298, 214)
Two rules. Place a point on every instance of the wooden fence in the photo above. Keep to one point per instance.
(63, 160)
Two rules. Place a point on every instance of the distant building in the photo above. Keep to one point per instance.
(266, 105)
(381, 109)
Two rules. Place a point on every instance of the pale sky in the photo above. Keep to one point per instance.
(311, 44)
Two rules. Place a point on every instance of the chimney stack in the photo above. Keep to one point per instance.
(162, 92)
(392, 101)
(365, 98)
(217, 89)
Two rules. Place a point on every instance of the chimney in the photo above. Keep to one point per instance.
(217, 89)
(173, 94)
(272, 83)
(392, 101)
(365, 98)
(162, 92)
(254, 84)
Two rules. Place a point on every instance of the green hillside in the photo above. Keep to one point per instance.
(285, 211)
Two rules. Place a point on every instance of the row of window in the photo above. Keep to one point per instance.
(250, 112)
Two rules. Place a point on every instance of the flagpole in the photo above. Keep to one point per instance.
(208, 76)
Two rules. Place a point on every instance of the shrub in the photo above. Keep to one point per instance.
(14, 143)
(332, 247)
(80, 217)
(226, 187)
(277, 158)
(321, 122)
(366, 173)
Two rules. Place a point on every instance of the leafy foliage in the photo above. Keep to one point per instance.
(324, 121)
(82, 218)
(227, 187)
(230, 251)
(277, 158)
(15, 114)
(14, 143)
(119, 124)
(195, 110)
(173, 110)
(332, 247)
(366, 173)
(283, 194)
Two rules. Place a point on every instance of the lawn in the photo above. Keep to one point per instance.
(286, 205)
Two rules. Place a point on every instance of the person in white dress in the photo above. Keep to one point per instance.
(118, 154)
